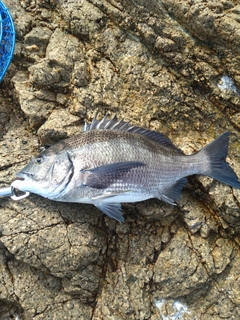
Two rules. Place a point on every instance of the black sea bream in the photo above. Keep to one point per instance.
(112, 162)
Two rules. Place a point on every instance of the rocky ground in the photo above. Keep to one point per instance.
(171, 66)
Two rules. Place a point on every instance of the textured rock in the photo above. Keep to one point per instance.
(171, 66)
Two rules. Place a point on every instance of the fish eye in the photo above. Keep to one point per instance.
(39, 160)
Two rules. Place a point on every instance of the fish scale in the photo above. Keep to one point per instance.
(112, 162)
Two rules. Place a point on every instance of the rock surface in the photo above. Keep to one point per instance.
(171, 66)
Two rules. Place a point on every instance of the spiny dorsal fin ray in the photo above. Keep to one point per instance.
(121, 125)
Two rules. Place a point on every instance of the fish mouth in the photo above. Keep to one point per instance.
(22, 175)
(18, 178)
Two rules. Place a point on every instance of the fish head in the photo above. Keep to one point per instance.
(47, 174)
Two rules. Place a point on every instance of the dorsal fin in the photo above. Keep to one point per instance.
(121, 125)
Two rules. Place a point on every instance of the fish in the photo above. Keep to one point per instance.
(112, 162)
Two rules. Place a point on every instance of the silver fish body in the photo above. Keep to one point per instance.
(113, 162)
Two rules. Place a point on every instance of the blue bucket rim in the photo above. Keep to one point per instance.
(8, 50)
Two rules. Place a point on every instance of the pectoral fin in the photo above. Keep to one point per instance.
(108, 194)
(103, 176)
(113, 210)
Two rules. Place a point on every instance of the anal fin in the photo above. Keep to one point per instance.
(173, 193)
(113, 210)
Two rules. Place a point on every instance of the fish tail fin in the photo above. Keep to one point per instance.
(216, 165)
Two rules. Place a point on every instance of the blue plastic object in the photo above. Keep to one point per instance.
(7, 39)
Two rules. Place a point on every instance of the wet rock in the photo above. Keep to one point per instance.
(4, 116)
(41, 295)
(36, 41)
(55, 70)
(80, 74)
(183, 271)
(209, 21)
(60, 125)
(84, 18)
(36, 104)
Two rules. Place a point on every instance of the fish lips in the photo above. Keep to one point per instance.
(21, 181)
(22, 175)
(25, 182)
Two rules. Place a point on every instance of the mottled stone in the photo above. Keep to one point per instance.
(170, 66)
